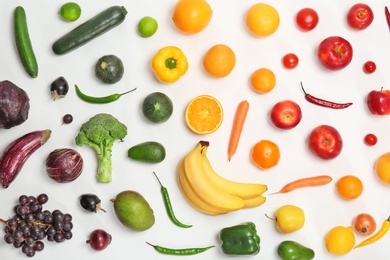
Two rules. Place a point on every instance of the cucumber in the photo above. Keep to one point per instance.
(23, 42)
(97, 25)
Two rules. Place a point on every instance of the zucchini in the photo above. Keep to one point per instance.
(23, 42)
(97, 25)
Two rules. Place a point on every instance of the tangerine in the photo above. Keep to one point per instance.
(382, 168)
(219, 60)
(349, 187)
(262, 19)
(265, 154)
(192, 16)
(204, 114)
(263, 80)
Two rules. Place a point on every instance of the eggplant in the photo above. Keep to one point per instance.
(17, 152)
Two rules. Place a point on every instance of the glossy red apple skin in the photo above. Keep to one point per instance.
(335, 53)
(378, 102)
(286, 114)
(360, 16)
(325, 142)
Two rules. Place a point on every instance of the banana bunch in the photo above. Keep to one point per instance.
(210, 193)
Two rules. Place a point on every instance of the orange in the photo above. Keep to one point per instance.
(219, 60)
(204, 114)
(382, 168)
(349, 187)
(262, 19)
(192, 16)
(265, 154)
(263, 80)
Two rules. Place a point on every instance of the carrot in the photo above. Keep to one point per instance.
(238, 124)
(305, 182)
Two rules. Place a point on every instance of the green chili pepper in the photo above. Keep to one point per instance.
(168, 206)
(183, 251)
(240, 240)
(100, 100)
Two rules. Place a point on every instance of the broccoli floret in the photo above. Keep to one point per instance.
(100, 132)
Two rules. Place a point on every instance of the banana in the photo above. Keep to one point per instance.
(201, 184)
(244, 190)
(254, 202)
(191, 197)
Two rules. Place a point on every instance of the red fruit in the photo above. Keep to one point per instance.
(378, 102)
(325, 142)
(335, 53)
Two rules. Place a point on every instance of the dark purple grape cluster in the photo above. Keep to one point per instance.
(31, 224)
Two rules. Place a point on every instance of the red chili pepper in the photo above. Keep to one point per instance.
(387, 13)
(324, 103)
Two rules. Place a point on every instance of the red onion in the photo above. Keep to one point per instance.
(64, 165)
(99, 239)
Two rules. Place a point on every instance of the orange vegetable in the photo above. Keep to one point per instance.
(238, 124)
(305, 182)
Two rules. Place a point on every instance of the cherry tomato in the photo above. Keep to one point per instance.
(370, 139)
(369, 67)
(307, 19)
(290, 60)
(364, 224)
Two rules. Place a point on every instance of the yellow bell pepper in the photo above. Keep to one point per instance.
(169, 64)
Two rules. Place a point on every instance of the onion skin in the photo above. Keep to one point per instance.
(17, 152)
(99, 239)
(14, 105)
(64, 165)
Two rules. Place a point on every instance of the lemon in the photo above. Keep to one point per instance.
(147, 26)
(70, 11)
(340, 240)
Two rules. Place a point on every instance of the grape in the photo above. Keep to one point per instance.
(42, 198)
(12, 223)
(48, 219)
(39, 216)
(58, 216)
(51, 231)
(35, 207)
(23, 200)
(39, 246)
(29, 240)
(59, 237)
(67, 217)
(29, 217)
(31, 199)
(67, 226)
(22, 210)
(68, 235)
(9, 238)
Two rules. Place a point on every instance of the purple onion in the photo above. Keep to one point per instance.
(14, 105)
(64, 165)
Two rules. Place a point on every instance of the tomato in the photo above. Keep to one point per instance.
(307, 19)
(290, 60)
(364, 224)
(370, 139)
(369, 67)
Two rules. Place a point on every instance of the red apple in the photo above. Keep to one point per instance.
(325, 142)
(286, 114)
(335, 53)
(360, 16)
(378, 102)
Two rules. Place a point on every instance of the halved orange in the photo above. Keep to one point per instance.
(204, 114)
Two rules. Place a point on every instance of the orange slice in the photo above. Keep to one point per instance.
(204, 114)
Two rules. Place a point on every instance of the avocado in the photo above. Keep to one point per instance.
(149, 152)
(291, 250)
(133, 211)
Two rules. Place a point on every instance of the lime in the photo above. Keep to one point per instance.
(147, 26)
(70, 11)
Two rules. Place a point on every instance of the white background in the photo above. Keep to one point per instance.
(324, 209)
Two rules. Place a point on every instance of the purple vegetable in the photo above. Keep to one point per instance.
(14, 105)
(64, 165)
(99, 239)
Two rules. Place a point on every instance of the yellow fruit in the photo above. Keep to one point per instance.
(262, 19)
(382, 168)
(289, 218)
(340, 240)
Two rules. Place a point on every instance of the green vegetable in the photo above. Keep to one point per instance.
(100, 132)
(100, 100)
(183, 251)
(291, 250)
(168, 206)
(23, 42)
(149, 152)
(157, 107)
(94, 27)
(240, 239)
(109, 69)
(133, 211)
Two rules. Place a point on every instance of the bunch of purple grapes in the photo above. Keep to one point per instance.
(31, 224)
